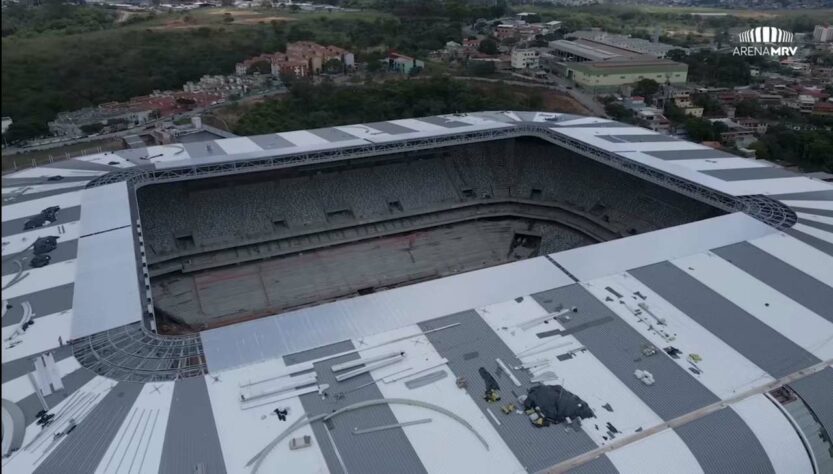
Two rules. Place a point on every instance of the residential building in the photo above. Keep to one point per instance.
(97, 119)
(610, 75)
(505, 31)
(806, 103)
(403, 64)
(552, 26)
(736, 134)
(753, 124)
(654, 119)
(823, 108)
(301, 59)
(823, 34)
(525, 58)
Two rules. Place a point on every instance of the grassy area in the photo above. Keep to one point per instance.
(216, 18)
(40, 157)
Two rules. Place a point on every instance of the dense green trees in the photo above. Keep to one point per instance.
(309, 106)
(701, 130)
(646, 88)
(55, 17)
(716, 69)
(488, 46)
(48, 74)
(810, 149)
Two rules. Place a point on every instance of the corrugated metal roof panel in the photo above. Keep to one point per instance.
(191, 435)
(723, 443)
(535, 448)
(762, 345)
(619, 347)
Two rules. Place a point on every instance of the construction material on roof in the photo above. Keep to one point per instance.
(544, 377)
(554, 404)
(644, 376)
(357, 431)
(364, 361)
(426, 379)
(248, 404)
(543, 347)
(442, 362)
(299, 443)
(539, 320)
(292, 383)
(258, 458)
(492, 393)
(369, 367)
(508, 372)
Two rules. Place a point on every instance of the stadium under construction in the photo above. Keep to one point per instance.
(492, 292)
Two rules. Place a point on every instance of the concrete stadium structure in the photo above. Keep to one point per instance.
(709, 271)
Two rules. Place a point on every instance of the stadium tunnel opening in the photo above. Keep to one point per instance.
(226, 249)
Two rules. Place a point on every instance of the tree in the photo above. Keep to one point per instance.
(333, 66)
(260, 67)
(619, 112)
(700, 129)
(749, 108)
(678, 55)
(488, 46)
(480, 68)
(646, 88)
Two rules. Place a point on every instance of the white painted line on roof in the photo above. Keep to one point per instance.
(165, 153)
(105, 207)
(44, 172)
(38, 279)
(303, 138)
(42, 188)
(583, 374)
(74, 406)
(826, 205)
(800, 255)
(106, 158)
(616, 256)
(670, 167)
(18, 242)
(797, 184)
(39, 337)
(821, 234)
(657, 454)
(724, 371)
(466, 453)
(721, 164)
(233, 146)
(419, 125)
(815, 218)
(585, 121)
(30, 208)
(243, 432)
(21, 387)
(775, 433)
(137, 445)
(797, 323)
(512, 115)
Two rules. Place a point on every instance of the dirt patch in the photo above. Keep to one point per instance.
(556, 102)
(261, 19)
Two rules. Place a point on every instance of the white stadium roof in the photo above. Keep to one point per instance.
(746, 298)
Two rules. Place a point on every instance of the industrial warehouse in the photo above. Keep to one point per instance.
(483, 292)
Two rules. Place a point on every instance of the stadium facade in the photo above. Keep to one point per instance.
(684, 294)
